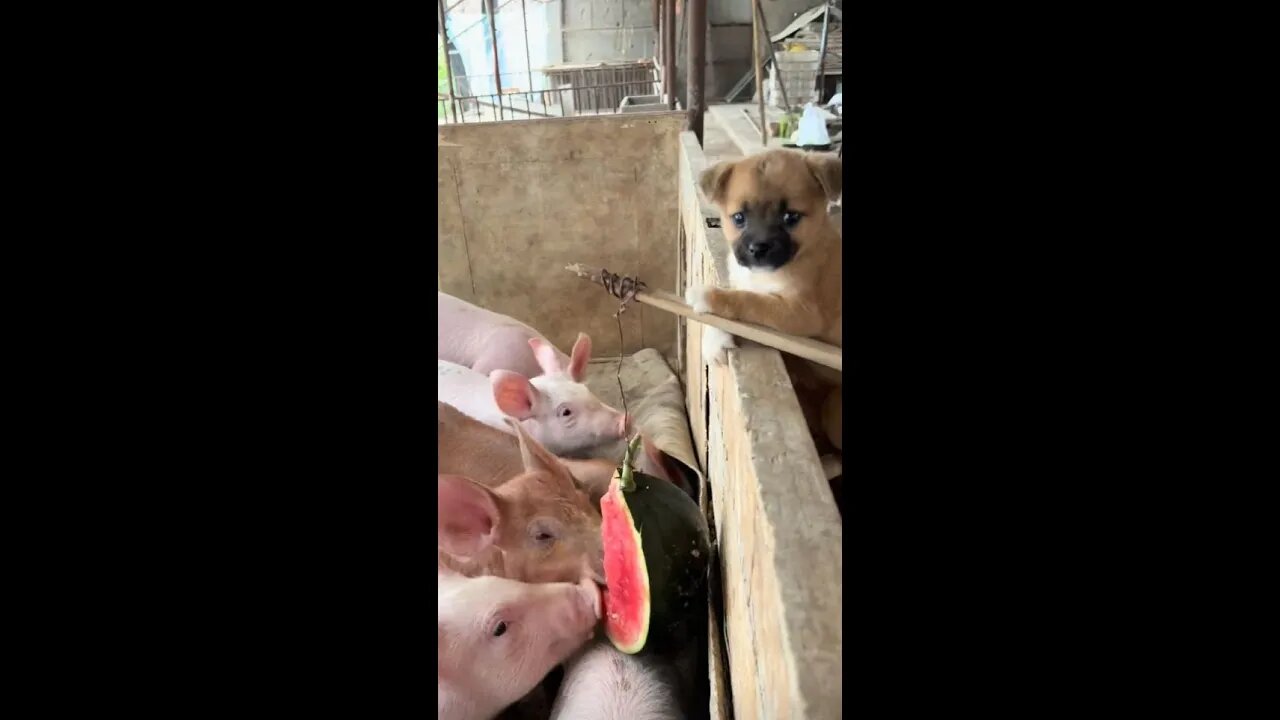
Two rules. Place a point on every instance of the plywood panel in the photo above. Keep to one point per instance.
(517, 201)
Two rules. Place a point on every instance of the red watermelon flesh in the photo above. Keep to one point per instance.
(626, 600)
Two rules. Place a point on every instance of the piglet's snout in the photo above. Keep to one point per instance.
(583, 609)
(591, 592)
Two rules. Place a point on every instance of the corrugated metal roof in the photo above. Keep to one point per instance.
(803, 19)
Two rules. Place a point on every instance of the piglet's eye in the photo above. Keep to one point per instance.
(501, 628)
(564, 411)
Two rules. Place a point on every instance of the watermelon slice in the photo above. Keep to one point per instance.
(656, 554)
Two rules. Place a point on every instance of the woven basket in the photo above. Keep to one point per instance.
(797, 72)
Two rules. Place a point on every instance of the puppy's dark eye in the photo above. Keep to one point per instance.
(739, 219)
(502, 627)
(790, 218)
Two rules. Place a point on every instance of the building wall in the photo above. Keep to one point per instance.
(577, 31)
(607, 30)
(729, 41)
(624, 29)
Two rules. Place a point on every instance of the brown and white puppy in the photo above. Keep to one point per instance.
(784, 268)
(785, 264)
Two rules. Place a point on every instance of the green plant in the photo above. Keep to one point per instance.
(442, 78)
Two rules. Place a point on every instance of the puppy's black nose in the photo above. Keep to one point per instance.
(758, 249)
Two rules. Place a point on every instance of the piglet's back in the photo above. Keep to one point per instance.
(474, 337)
(469, 447)
(602, 683)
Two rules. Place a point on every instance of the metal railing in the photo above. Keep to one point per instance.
(569, 101)
(564, 90)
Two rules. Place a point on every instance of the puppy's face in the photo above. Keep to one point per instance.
(773, 205)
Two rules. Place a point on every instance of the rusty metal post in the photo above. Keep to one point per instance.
(773, 58)
(660, 53)
(822, 54)
(448, 65)
(669, 51)
(697, 24)
(493, 33)
(528, 62)
(755, 62)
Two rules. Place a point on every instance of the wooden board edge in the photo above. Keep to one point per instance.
(800, 518)
(696, 210)
(740, 129)
(680, 117)
(719, 699)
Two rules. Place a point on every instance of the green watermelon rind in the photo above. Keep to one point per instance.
(682, 569)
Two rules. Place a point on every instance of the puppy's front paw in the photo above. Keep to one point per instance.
(698, 298)
(716, 344)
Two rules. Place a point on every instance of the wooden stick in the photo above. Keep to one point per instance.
(807, 348)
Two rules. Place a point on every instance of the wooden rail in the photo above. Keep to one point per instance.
(807, 348)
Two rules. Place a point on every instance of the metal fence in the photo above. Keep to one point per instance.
(571, 99)
(464, 94)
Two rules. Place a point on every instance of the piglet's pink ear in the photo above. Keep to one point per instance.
(536, 457)
(468, 515)
(513, 393)
(580, 357)
(546, 354)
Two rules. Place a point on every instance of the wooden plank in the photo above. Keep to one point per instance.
(719, 699)
(573, 67)
(807, 348)
(698, 267)
(696, 383)
(777, 530)
(780, 546)
(519, 200)
(803, 19)
(744, 132)
(696, 210)
(694, 213)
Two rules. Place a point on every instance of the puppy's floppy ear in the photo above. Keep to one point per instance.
(828, 169)
(715, 179)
